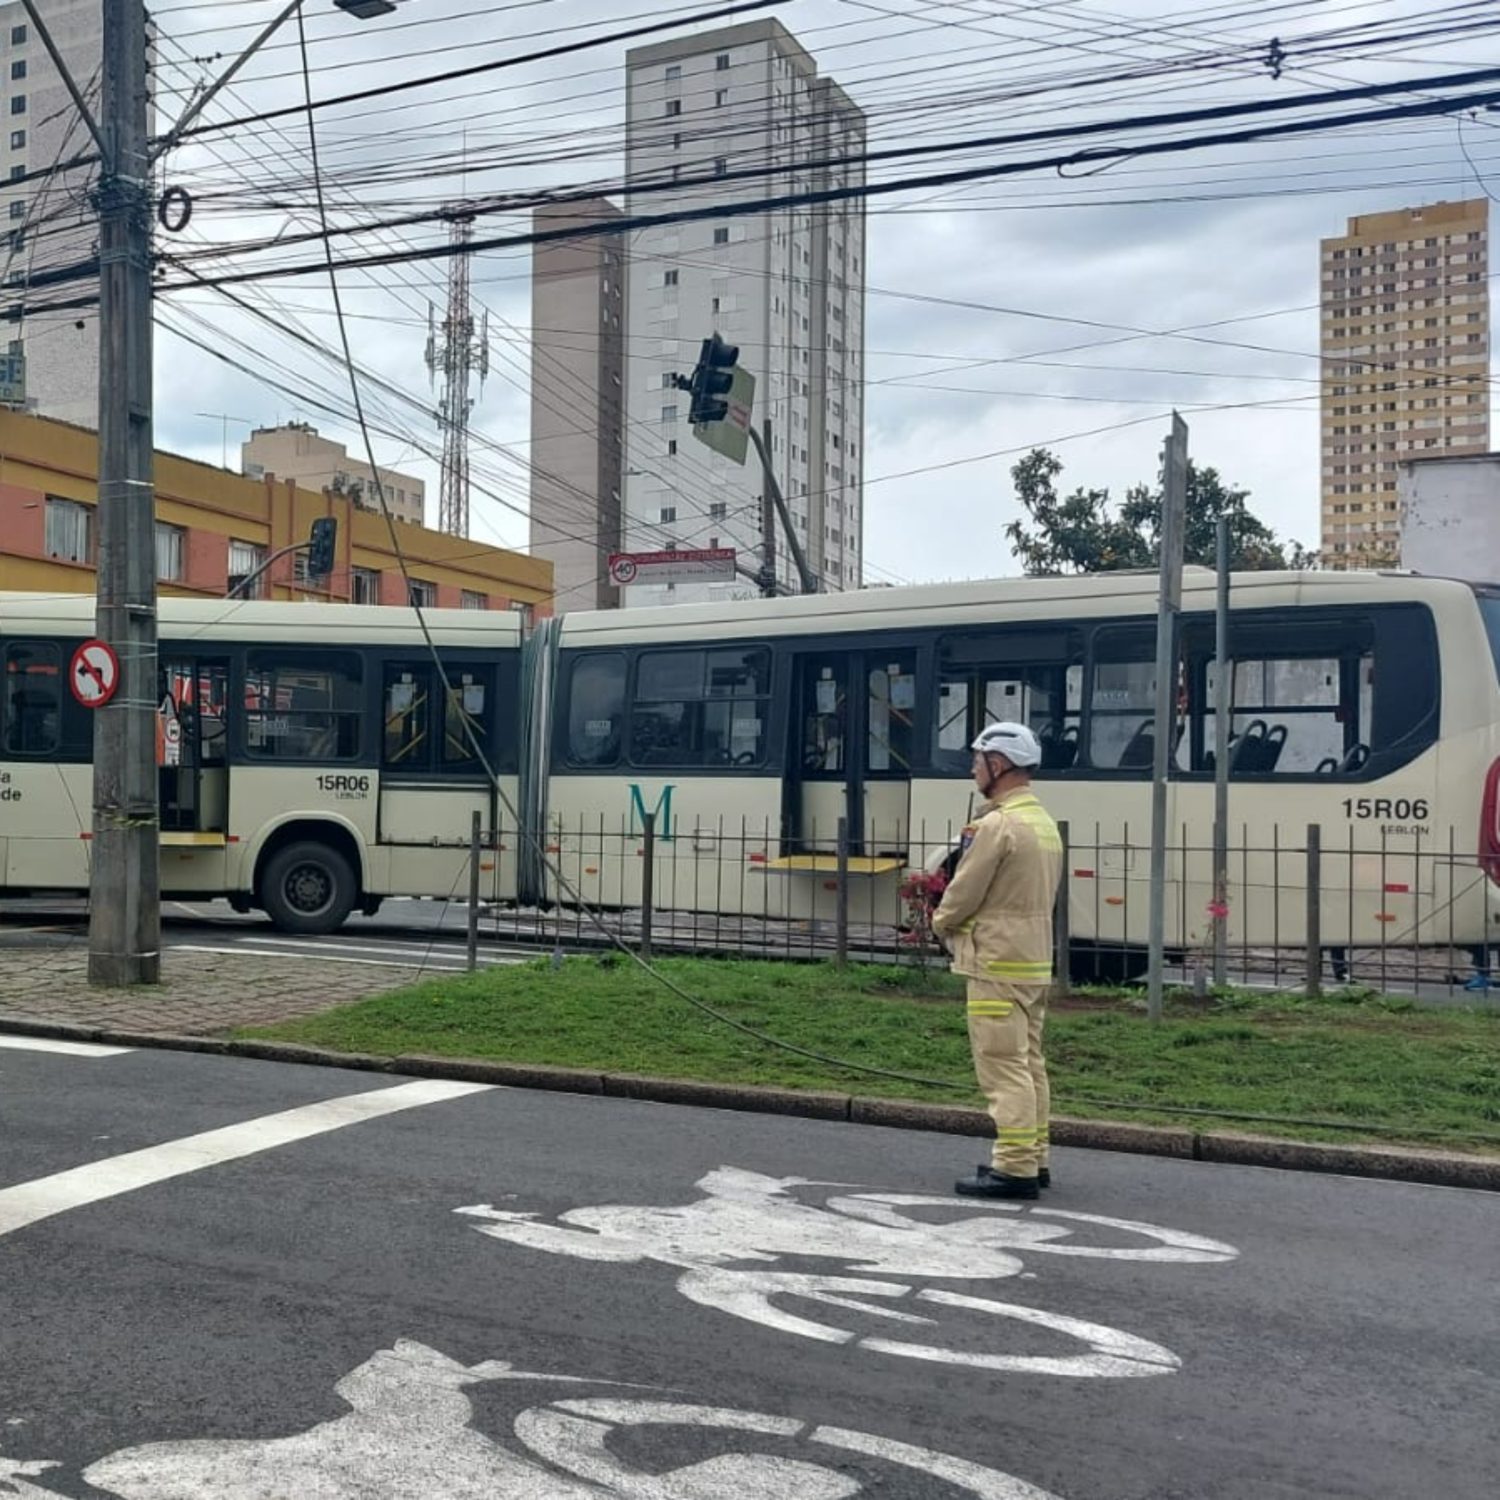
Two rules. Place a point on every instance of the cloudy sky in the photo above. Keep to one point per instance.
(1001, 314)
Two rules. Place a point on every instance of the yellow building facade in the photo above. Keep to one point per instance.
(214, 527)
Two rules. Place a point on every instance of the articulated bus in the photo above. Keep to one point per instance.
(311, 765)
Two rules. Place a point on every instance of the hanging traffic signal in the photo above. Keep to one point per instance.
(712, 380)
(320, 542)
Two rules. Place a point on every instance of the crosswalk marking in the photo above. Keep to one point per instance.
(57, 1044)
(29, 1202)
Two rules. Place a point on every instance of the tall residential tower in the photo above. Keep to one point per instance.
(1405, 363)
(786, 286)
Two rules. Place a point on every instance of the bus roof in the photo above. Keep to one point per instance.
(991, 602)
(277, 621)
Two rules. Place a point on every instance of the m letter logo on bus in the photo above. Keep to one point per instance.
(663, 811)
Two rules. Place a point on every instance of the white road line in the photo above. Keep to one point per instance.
(68, 1049)
(29, 1202)
(331, 958)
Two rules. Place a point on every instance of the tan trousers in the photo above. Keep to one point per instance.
(1005, 1033)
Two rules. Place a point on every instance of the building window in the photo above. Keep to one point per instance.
(674, 108)
(669, 278)
(721, 98)
(170, 550)
(669, 382)
(17, 172)
(715, 304)
(721, 166)
(70, 530)
(672, 443)
(246, 558)
(721, 236)
(669, 414)
(667, 513)
(18, 209)
(17, 139)
(18, 104)
(364, 586)
(420, 594)
(717, 510)
(721, 62)
(473, 599)
(674, 72)
(18, 68)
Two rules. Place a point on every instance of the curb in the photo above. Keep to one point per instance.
(1393, 1163)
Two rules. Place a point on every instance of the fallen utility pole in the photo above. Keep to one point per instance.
(808, 578)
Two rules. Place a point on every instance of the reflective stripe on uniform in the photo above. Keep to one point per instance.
(1020, 970)
(999, 1009)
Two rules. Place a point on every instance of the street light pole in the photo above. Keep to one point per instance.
(125, 907)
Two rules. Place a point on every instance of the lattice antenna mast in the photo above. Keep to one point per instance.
(458, 350)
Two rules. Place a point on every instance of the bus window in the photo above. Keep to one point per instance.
(891, 713)
(596, 708)
(32, 709)
(302, 706)
(824, 717)
(1122, 701)
(405, 717)
(1032, 678)
(700, 708)
(1291, 714)
(466, 723)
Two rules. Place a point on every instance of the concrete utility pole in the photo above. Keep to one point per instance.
(124, 907)
(1173, 527)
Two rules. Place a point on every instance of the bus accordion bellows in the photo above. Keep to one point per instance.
(312, 763)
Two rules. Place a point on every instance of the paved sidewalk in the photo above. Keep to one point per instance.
(201, 994)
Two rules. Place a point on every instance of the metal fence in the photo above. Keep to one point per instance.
(1304, 908)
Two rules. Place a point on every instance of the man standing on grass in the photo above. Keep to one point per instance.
(996, 919)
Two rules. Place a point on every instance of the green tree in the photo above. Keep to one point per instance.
(1084, 532)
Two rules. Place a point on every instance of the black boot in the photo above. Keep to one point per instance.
(1043, 1175)
(987, 1183)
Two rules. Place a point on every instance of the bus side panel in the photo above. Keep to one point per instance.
(46, 809)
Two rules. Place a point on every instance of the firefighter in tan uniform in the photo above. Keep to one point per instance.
(996, 918)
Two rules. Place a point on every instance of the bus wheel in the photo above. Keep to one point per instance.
(308, 888)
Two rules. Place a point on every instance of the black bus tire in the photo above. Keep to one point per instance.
(308, 888)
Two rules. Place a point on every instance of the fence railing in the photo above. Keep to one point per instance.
(1305, 907)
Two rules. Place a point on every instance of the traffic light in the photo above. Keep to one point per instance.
(320, 542)
(712, 380)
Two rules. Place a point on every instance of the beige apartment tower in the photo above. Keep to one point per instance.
(297, 451)
(1405, 346)
(578, 399)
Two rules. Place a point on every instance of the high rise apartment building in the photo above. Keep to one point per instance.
(578, 401)
(46, 221)
(1405, 363)
(786, 286)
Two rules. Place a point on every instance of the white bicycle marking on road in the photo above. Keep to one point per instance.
(58, 1045)
(728, 1244)
(409, 1433)
(29, 1202)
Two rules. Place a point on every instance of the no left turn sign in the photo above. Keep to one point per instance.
(94, 674)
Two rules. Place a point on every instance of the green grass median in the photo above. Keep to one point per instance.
(1390, 1071)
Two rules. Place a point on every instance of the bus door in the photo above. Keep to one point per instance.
(854, 732)
(432, 780)
(192, 743)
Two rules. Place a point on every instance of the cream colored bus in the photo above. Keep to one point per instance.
(320, 770)
(1364, 703)
(310, 765)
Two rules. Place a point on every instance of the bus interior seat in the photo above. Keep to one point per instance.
(1245, 752)
(1328, 766)
(1139, 749)
(1276, 738)
(1059, 751)
(1356, 760)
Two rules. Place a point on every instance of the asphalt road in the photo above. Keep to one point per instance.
(230, 1280)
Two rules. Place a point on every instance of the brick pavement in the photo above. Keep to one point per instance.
(201, 994)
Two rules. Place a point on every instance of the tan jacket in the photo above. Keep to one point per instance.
(996, 915)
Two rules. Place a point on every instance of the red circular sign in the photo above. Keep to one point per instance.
(94, 674)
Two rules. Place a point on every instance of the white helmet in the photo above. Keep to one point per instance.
(1014, 741)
